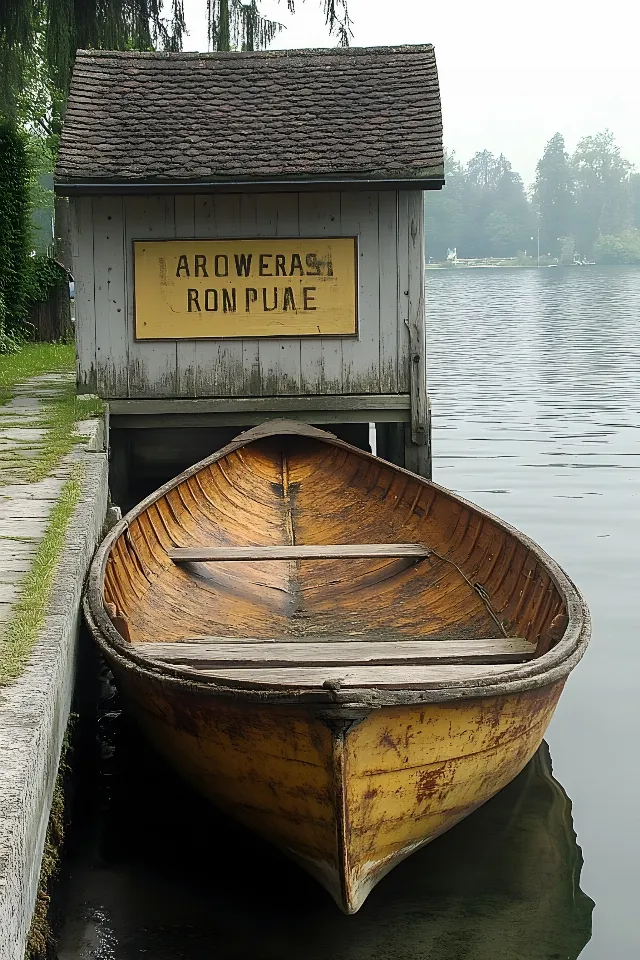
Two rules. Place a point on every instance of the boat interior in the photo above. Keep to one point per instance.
(295, 560)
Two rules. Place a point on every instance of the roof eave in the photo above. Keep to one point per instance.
(434, 180)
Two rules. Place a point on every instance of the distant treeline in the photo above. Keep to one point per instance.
(586, 205)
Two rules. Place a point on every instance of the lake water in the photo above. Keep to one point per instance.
(535, 385)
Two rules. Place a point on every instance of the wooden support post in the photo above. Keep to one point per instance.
(418, 436)
(394, 442)
(357, 434)
(416, 322)
(62, 250)
(417, 456)
(390, 442)
(119, 468)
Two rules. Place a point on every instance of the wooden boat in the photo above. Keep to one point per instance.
(346, 657)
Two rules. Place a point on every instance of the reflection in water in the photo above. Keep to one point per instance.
(533, 369)
(535, 383)
(154, 871)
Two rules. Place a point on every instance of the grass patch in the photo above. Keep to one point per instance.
(56, 417)
(59, 418)
(30, 609)
(34, 360)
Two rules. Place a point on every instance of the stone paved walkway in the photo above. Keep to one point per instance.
(25, 507)
(34, 707)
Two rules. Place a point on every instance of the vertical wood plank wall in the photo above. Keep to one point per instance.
(113, 364)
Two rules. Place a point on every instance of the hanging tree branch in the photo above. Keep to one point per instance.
(233, 25)
(239, 25)
(336, 15)
(67, 25)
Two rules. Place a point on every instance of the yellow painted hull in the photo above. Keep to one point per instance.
(346, 759)
(347, 799)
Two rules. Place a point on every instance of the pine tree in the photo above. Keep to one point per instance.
(553, 196)
(510, 224)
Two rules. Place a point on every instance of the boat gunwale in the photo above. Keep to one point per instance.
(550, 668)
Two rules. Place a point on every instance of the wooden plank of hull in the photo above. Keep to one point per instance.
(347, 801)
(268, 768)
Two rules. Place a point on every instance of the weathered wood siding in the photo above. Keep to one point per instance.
(113, 364)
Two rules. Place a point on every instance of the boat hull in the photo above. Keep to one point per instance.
(333, 704)
(346, 798)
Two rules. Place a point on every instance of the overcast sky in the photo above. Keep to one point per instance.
(511, 74)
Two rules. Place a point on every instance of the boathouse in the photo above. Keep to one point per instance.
(247, 242)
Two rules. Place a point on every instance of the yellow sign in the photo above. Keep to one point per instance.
(190, 289)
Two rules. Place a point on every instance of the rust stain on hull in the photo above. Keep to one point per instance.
(342, 804)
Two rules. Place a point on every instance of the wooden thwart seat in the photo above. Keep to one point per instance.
(210, 653)
(330, 551)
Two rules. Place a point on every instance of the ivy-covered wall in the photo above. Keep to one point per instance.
(14, 235)
(32, 286)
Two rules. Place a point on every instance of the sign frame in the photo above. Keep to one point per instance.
(266, 337)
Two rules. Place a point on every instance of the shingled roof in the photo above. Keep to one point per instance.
(267, 118)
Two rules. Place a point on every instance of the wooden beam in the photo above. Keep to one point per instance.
(210, 653)
(289, 406)
(246, 418)
(331, 551)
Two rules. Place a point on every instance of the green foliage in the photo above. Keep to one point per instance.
(601, 178)
(239, 25)
(624, 248)
(553, 196)
(14, 235)
(29, 612)
(37, 103)
(510, 224)
(57, 28)
(43, 276)
(503, 234)
(37, 108)
(48, 33)
(233, 25)
(482, 211)
(581, 204)
(58, 422)
(32, 360)
(57, 418)
(445, 210)
(24, 279)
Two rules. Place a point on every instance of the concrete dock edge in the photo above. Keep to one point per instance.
(34, 710)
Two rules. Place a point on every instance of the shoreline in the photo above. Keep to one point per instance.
(525, 266)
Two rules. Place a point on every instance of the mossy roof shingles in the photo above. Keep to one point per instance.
(370, 113)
